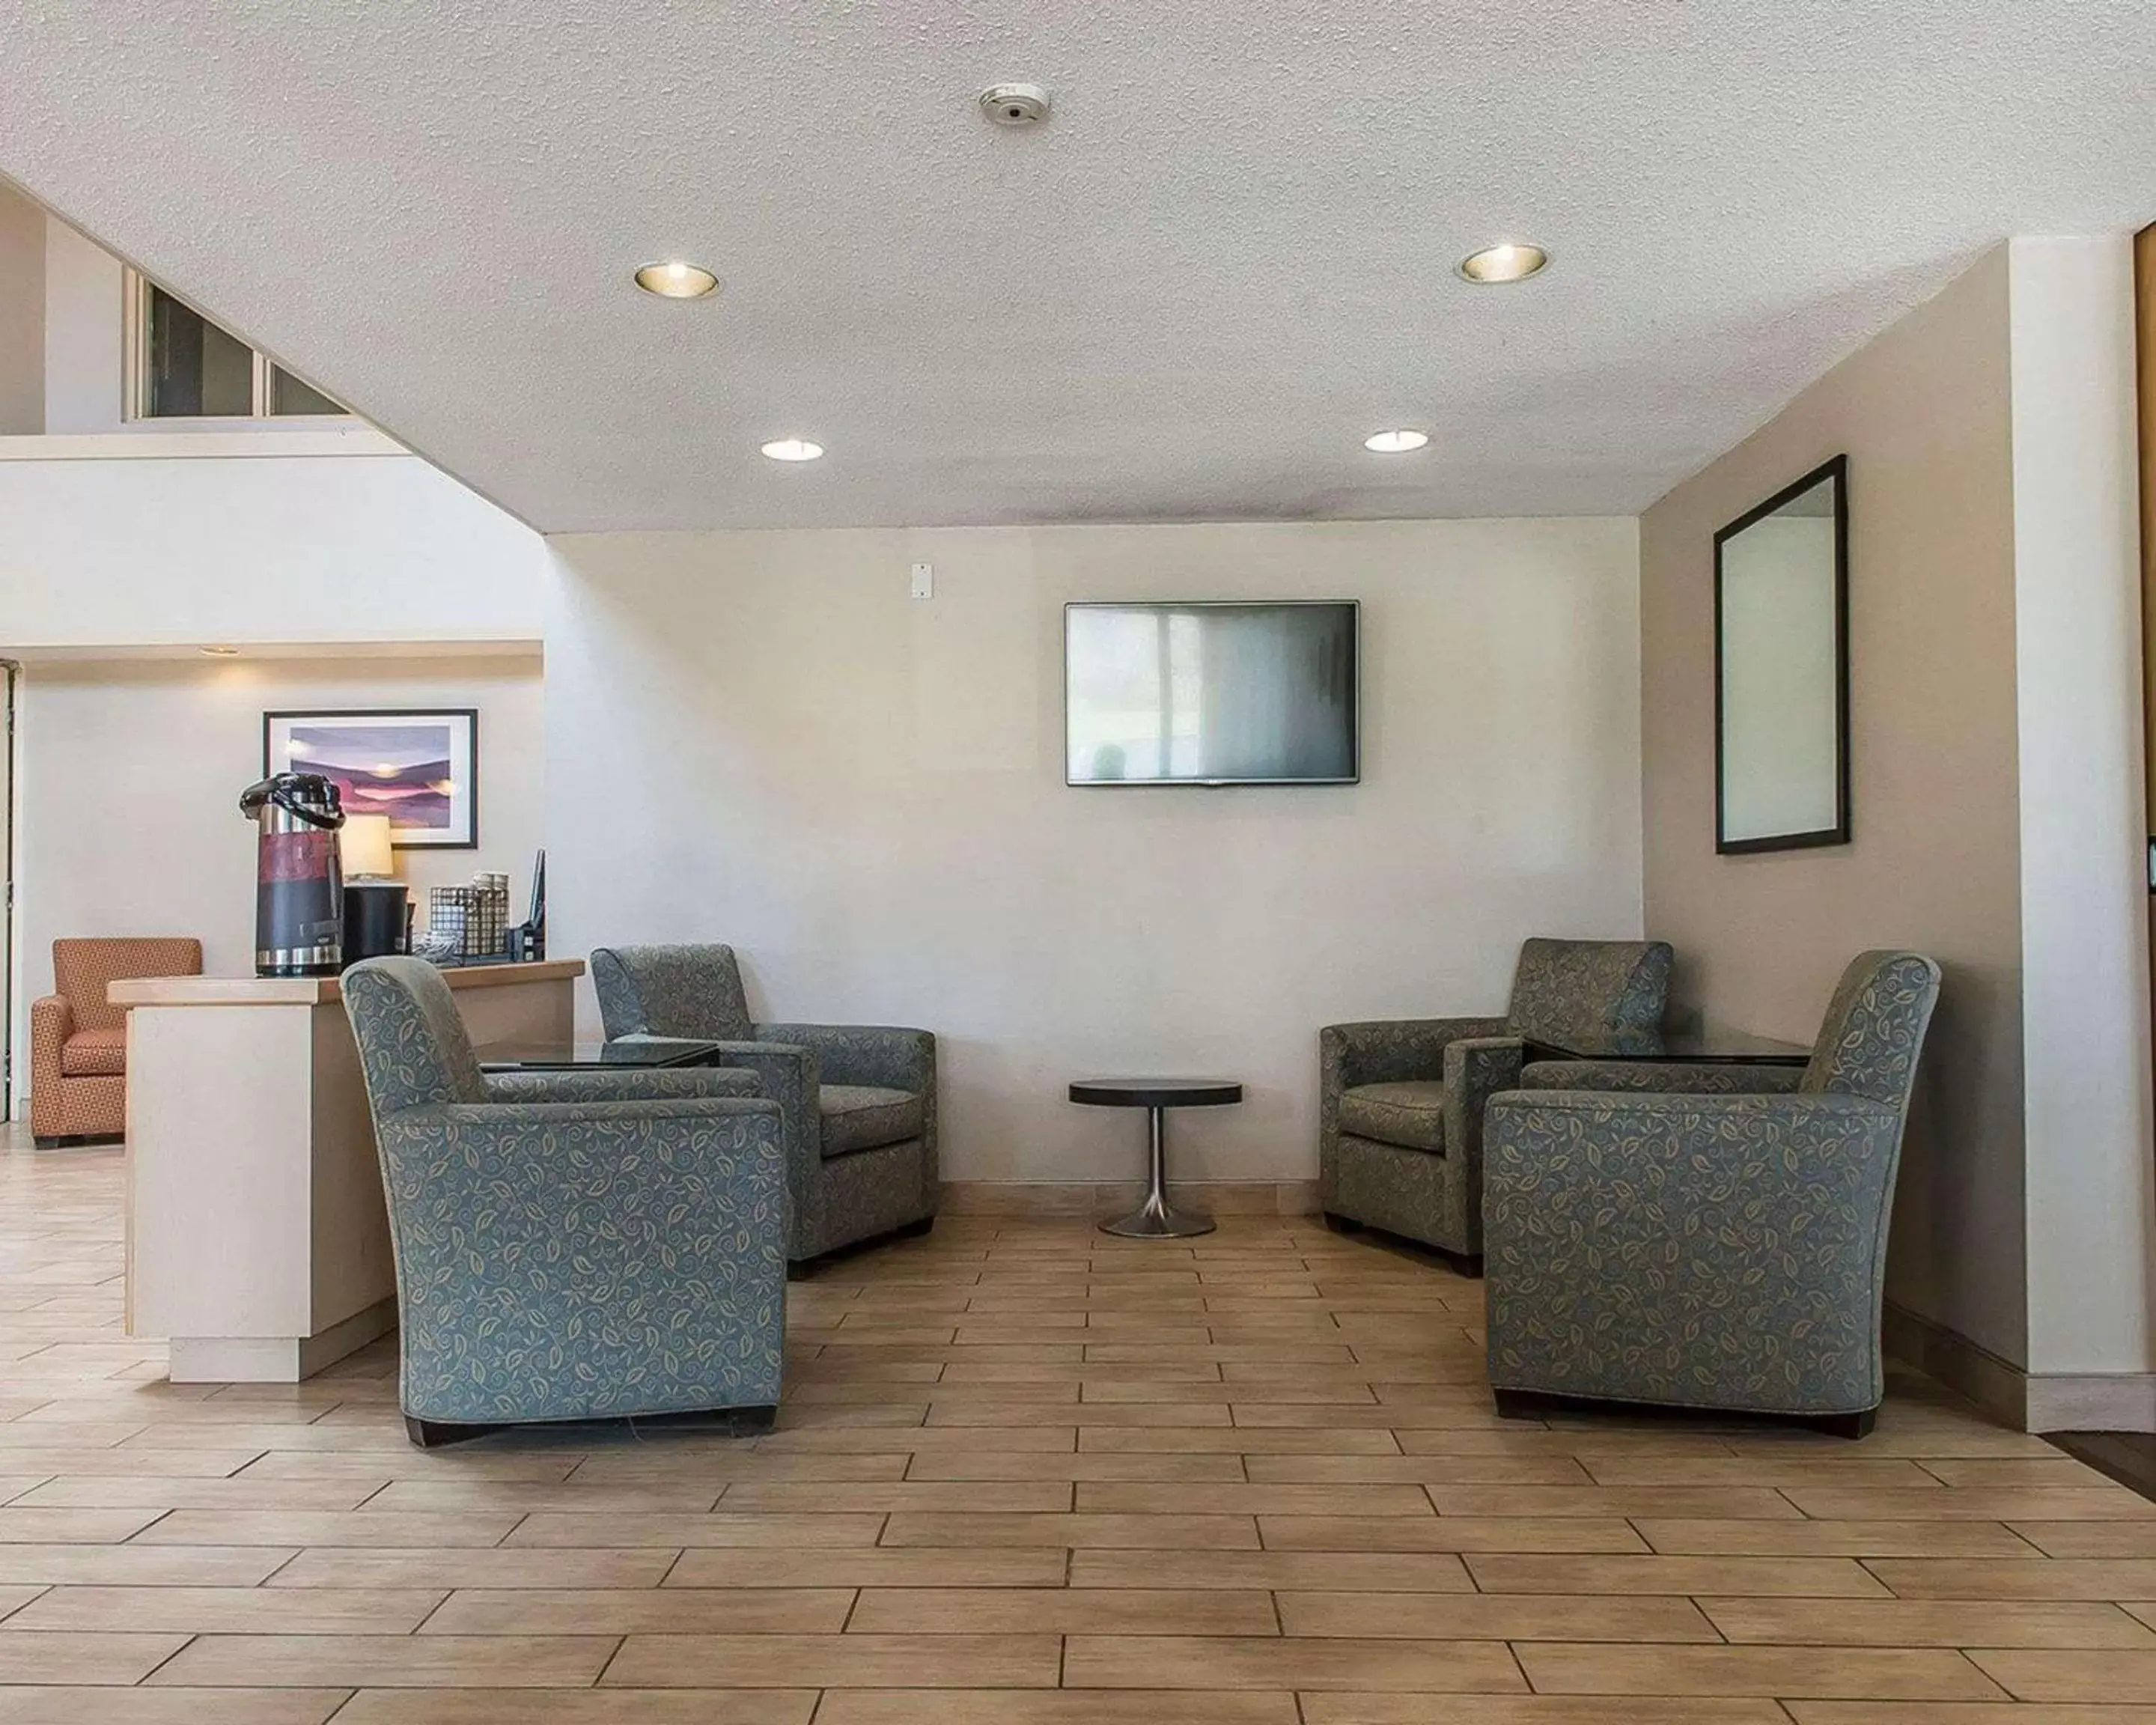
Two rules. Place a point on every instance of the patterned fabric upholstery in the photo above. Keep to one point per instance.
(1592, 986)
(568, 1259)
(1410, 1115)
(1874, 1028)
(865, 1117)
(1693, 1078)
(94, 1053)
(647, 993)
(414, 1048)
(1723, 1251)
(1378, 1081)
(82, 970)
(79, 1039)
(631, 1084)
(672, 991)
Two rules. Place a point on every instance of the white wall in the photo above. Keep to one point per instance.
(103, 551)
(757, 738)
(131, 772)
(2084, 895)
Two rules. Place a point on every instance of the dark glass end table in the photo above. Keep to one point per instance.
(1708, 1047)
(569, 1055)
(1156, 1219)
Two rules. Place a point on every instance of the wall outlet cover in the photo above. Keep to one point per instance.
(923, 584)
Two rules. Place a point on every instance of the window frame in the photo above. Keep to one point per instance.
(134, 371)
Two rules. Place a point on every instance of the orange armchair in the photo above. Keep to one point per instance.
(79, 1039)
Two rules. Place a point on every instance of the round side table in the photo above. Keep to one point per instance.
(1155, 1218)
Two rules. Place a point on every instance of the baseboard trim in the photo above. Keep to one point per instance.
(2038, 1402)
(1997, 1386)
(1036, 1198)
(2093, 1401)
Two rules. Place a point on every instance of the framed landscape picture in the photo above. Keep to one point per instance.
(421, 769)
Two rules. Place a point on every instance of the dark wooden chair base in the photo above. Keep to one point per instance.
(433, 1434)
(75, 1141)
(723, 1422)
(805, 1269)
(1458, 1263)
(1537, 1405)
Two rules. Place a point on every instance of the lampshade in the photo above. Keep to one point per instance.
(363, 844)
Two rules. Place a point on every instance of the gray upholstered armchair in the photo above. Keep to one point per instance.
(576, 1245)
(1401, 1101)
(858, 1099)
(1711, 1250)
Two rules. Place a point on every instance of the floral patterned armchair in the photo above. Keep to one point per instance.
(1709, 1250)
(572, 1245)
(1401, 1101)
(859, 1101)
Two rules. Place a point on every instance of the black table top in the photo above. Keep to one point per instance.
(565, 1056)
(1708, 1047)
(1156, 1092)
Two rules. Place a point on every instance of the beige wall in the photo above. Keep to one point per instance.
(131, 772)
(22, 314)
(757, 737)
(1923, 414)
(84, 339)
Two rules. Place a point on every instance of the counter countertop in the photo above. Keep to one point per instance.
(315, 990)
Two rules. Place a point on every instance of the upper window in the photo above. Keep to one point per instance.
(181, 366)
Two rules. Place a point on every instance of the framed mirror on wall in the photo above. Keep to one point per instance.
(1781, 669)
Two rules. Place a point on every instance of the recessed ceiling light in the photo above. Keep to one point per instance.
(676, 281)
(1498, 263)
(220, 652)
(792, 449)
(1395, 443)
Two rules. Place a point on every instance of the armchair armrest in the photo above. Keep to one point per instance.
(627, 1084)
(482, 1150)
(1709, 1250)
(1698, 1078)
(52, 1022)
(887, 1055)
(1393, 1050)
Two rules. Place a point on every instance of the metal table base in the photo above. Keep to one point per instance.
(1156, 1219)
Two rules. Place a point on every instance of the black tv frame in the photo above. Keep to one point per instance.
(1353, 776)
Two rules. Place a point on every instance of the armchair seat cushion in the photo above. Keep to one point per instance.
(866, 1117)
(95, 1053)
(1410, 1115)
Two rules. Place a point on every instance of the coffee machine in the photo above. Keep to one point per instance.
(299, 886)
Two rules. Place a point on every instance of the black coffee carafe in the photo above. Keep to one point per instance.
(299, 883)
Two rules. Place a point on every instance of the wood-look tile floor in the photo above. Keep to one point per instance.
(1028, 1475)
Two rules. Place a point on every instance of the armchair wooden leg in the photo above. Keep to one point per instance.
(1525, 1405)
(433, 1434)
(1341, 1224)
(914, 1230)
(724, 1422)
(1844, 1425)
(802, 1269)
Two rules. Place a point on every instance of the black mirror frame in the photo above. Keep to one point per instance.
(1837, 471)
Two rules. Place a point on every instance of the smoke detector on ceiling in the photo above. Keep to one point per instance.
(1015, 104)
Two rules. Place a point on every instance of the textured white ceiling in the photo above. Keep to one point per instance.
(1190, 296)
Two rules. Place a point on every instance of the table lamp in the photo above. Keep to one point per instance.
(378, 919)
(363, 847)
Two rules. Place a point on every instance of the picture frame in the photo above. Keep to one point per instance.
(419, 766)
(1781, 669)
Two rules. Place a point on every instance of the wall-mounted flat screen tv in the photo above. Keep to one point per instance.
(1207, 694)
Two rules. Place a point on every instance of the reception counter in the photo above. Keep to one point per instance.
(257, 1241)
